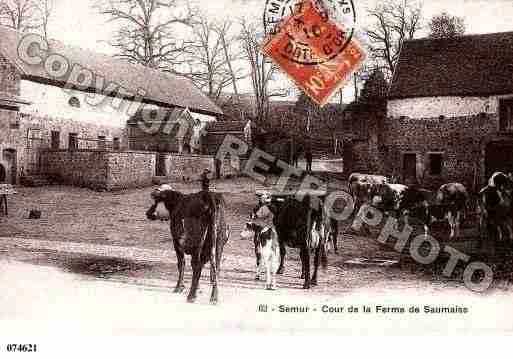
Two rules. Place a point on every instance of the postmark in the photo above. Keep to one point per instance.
(331, 25)
(317, 64)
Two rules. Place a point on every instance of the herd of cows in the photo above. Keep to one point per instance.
(199, 229)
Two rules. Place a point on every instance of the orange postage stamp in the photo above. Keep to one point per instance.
(317, 53)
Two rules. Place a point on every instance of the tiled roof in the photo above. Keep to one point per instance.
(471, 65)
(160, 88)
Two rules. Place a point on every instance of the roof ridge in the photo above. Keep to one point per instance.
(460, 36)
(161, 87)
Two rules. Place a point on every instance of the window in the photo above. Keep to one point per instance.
(116, 144)
(506, 115)
(101, 143)
(56, 140)
(73, 141)
(34, 138)
(14, 124)
(436, 164)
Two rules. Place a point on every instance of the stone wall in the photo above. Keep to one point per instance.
(81, 168)
(459, 139)
(187, 167)
(100, 170)
(26, 135)
(129, 169)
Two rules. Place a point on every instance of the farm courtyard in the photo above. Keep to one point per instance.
(93, 257)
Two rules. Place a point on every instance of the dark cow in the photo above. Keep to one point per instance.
(198, 229)
(267, 251)
(496, 210)
(453, 199)
(294, 221)
(402, 201)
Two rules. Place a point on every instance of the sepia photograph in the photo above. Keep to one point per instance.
(278, 167)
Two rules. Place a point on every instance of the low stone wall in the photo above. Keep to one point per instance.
(129, 169)
(77, 168)
(100, 170)
(188, 167)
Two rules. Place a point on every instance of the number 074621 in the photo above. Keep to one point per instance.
(21, 348)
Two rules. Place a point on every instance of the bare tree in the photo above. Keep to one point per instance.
(393, 22)
(147, 31)
(211, 60)
(222, 32)
(45, 8)
(22, 15)
(262, 70)
(445, 25)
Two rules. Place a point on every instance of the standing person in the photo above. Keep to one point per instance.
(308, 155)
(195, 142)
(248, 133)
(205, 181)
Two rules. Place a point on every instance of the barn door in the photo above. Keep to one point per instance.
(499, 158)
(409, 168)
(160, 169)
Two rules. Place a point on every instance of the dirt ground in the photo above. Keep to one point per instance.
(117, 219)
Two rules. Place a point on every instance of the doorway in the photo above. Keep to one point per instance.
(498, 157)
(10, 169)
(3, 174)
(409, 168)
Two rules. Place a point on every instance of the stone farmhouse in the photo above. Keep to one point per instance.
(450, 111)
(66, 115)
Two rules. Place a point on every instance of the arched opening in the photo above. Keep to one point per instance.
(3, 174)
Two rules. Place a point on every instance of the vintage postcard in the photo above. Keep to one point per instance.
(193, 167)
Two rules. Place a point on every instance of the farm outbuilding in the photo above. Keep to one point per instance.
(450, 110)
(63, 127)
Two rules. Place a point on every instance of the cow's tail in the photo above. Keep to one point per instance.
(323, 254)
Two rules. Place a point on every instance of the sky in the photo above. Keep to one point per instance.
(77, 23)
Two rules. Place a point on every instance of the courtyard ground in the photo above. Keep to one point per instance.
(101, 241)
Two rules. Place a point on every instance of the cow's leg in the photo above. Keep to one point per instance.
(197, 267)
(180, 287)
(451, 219)
(180, 256)
(334, 233)
(305, 259)
(283, 251)
(258, 255)
(316, 264)
(457, 223)
(268, 269)
(213, 275)
(273, 263)
(302, 270)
